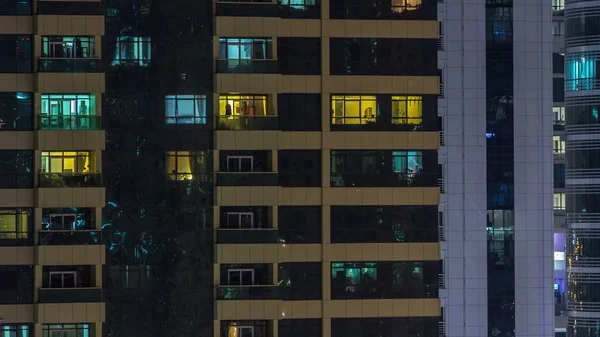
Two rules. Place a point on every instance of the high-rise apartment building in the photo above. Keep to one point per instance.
(582, 101)
(275, 168)
(497, 168)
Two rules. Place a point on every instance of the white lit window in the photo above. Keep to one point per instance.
(558, 145)
(185, 109)
(559, 201)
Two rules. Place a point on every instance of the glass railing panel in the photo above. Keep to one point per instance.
(70, 180)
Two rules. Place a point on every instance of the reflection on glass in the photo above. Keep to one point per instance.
(353, 109)
(133, 50)
(185, 109)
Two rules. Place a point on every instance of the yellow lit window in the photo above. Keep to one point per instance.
(558, 145)
(353, 109)
(68, 162)
(559, 201)
(407, 109)
(242, 105)
(185, 165)
(400, 6)
(13, 224)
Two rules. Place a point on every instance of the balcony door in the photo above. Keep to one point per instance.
(238, 277)
(242, 220)
(62, 49)
(63, 279)
(63, 221)
(240, 163)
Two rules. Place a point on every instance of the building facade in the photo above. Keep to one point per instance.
(497, 167)
(264, 169)
(581, 107)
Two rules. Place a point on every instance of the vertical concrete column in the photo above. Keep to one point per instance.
(37, 328)
(98, 159)
(216, 273)
(98, 276)
(275, 216)
(275, 160)
(97, 218)
(275, 273)
(98, 103)
(216, 217)
(98, 47)
(324, 9)
(275, 328)
(274, 44)
(326, 327)
(326, 278)
(37, 277)
(37, 224)
(217, 327)
(325, 111)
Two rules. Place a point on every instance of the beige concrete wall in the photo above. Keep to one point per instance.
(70, 255)
(70, 197)
(70, 140)
(69, 25)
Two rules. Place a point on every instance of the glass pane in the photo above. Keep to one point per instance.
(247, 332)
(247, 277)
(246, 221)
(246, 165)
(235, 277)
(55, 280)
(69, 280)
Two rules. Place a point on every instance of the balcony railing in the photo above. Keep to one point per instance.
(234, 123)
(559, 125)
(247, 179)
(258, 235)
(70, 180)
(251, 292)
(63, 237)
(384, 180)
(69, 65)
(70, 122)
(70, 295)
(246, 66)
(247, 9)
(442, 329)
(441, 281)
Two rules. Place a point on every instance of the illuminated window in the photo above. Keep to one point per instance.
(256, 49)
(407, 109)
(400, 6)
(133, 50)
(558, 5)
(186, 165)
(68, 47)
(353, 276)
(243, 328)
(66, 330)
(559, 201)
(410, 162)
(242, 105)
(68, 162)
(558, 145)
(68, 112)
(559, 115)
(15, 330)
(15, 224)
(581, 72)
(185, 109)
(298, 4)
(353, 109)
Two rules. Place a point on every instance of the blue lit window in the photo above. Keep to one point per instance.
(298, 4)
(66, 330)
(256, 49)
(185, 109)
(14, 330)
(133, 50)
(580, 73)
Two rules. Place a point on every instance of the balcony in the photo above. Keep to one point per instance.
(247, 179)
(70, 238)
(69, 122)
(246, 66)
(385, 180)
(247, 9)
(69, 65)
(70, 295)
(253, 292)
(70, 179)
(258, 235)
(247, 123)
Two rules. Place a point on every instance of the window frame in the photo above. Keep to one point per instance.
(46, 162)
(16, 330)
(347, 99)
(22, 230)
(175, 116)
(141, 45)
(200, 160)
(62, 275)
(85, 44)
(240, 271)
(250, 99)
(240, 161)
(65, 330)
(240, 223)
(406, 101)
(62, 216)
(254, 44)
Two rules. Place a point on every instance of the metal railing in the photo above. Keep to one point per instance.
(69, 65)
(69, 122)
(441, 89)
(440, 43)
(441, 233)
(442, 281)
(441, 185)
(442, 328)
(70, 295)
(442, 139)
(74, 179)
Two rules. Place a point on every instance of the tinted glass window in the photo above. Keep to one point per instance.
(300, 328)
(384, 224)
(559, 175)
(300, 224)
(16, 284)
(300, 168)
(384, 327)
(16, 111)
(558, 90)
(303, 278)
(16, 169)
(15, 54)
(15, 7)
(558, 63)
(299, 55)
(362, 56)
(299, 112)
